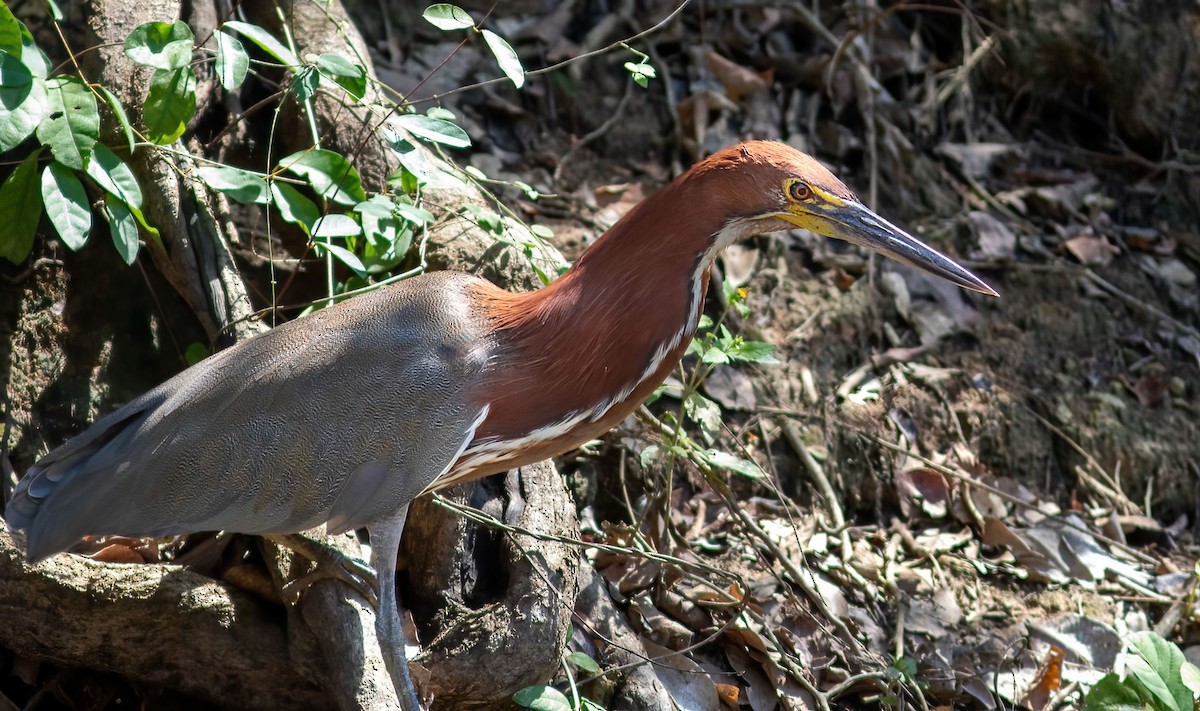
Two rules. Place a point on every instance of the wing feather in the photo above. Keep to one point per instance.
(342, 417)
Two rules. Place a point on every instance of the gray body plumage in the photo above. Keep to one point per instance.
(340, 418)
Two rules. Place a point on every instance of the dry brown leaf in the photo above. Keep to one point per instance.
(935, 616)
(108, 549)
(655, 625)
(630, 573)
(1088, 644)
(978, 689)
(979, 160)
(925, 489)
(1147, 239)
(998, 533)
(693, 110)
(117, 553)
(993, 239)
(731, 388)
(684, 680)
(752, 640)
(737, 80)
(616, 200)
(1093, 251)
(760, 692)
(1047, 682)
(681, 608)
(729, 695)
(1149, 390)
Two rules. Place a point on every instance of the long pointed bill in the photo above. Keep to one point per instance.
(853, 222)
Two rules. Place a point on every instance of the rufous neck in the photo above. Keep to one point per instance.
(607, 332)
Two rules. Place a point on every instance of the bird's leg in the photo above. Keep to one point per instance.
(385, 541)
(330, 563)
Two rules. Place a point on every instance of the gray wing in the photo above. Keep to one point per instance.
(341, 418)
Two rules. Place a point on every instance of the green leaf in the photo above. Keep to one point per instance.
(378, 215)
(265, 41)
(584, 662)
(195, 353)
(907, 667)
(385, 247)
(336, 226)
(293, 206)
(416, 168)
(405, 179)
(440, 112)
(1156, 667)
(119, 112)
(23, 102)
(542, 698)
(240, 185)
(641, 73)
(445, 16)
(433, 130)
(736, 297)
(351, 77)
(649, 455)
(713, 355)
(414, 214)
(73, 125)
(1189, 674)
(66, 205)
(55, 11)
(32, 55)
(141, 220)
(305, 83)
(21, 206)
(344, 256)
(114, 176)
(161, 45)
(753, 352)
(388, 235)
(123, 227)
(530, 192)
(1112, 694)
(737, 465)
(10, 32)
(330, 174)
(335, 65)
(506, 57)
(703, 412)
(170, 104)
(232, 61)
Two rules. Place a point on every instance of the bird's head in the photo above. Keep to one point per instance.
(777, 187)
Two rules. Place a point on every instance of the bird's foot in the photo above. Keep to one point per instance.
(330, 563)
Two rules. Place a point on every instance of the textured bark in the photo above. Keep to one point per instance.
(331, 631)
(157, 625)
(494, 608)
(193, 254)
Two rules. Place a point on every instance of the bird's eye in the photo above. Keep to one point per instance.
(799, 191)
